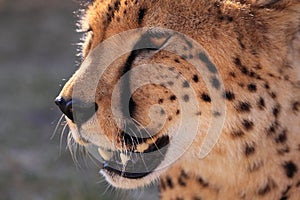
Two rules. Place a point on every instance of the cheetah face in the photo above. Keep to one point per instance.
(133, 105)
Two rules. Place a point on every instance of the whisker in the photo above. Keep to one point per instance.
(108, 187)
(140, 153)
(72, 145)
(93, 159)
(61, 137)
(83, 155)
(59, 123)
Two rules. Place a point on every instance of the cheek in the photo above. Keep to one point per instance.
(75, 133)
(154, 105)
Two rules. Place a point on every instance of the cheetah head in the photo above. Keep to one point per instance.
(147, 95)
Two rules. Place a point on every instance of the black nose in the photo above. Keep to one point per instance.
(76, 111)
(65, 107)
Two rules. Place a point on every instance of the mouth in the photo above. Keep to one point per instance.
(129, 164)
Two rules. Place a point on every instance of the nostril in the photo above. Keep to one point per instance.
(69, 110)
(75, 110)
(65, 107)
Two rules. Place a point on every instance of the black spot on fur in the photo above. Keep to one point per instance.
(285, 193)
(267, 188)
(176, 60)
(232, 74)
(267, 86)
(177, 112)
(162, 112)
(181, 181)
(184, 175)
(141, 15)
(241, 85)
(263, 191)
(205, 97)
(273, 95)
(170, 83)
(171, 68)
(160, 101)
(249, 150)
(295, 106)
(229, 95)
(283, 150)
(247, 124)
(242, 68)
(210, 66)
(261, 103)
(169, 182)
(186, 98)
(202, 182)
(215, 82)
(252, 87)
(198, 113)
(189, 43)
(241, 42)
(173, 98)
(258, 67)
(195, 78)
(185, 84)
(162, 184)
(272, 129)
(216, 114)
(243, 107)
(117, 5)
(271, 75)
(229, 18)
(282, 137)
(183, 57)
(237, 133)
(290, 169)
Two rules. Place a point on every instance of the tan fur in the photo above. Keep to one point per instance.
(255, 45)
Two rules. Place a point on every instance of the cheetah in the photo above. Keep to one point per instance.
(202, 96)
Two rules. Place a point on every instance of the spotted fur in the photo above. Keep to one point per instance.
(254, 45)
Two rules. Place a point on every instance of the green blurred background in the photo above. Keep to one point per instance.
(37, 52)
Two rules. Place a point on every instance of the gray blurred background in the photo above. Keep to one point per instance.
(37, 52)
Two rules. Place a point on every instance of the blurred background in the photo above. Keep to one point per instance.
(37, 53)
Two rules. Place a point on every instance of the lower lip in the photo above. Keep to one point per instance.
(125, 174)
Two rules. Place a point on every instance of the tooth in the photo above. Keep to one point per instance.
(124, 158)
(106, 155)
